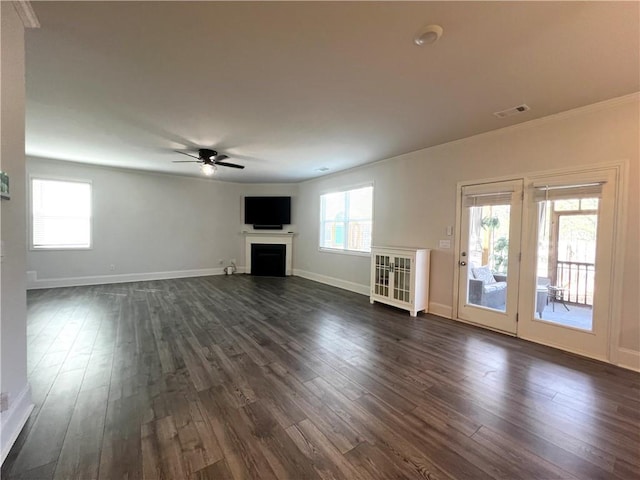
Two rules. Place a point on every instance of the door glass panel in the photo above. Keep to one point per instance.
(488, 254)
(383, 268)
(402, 277)
(566, 269)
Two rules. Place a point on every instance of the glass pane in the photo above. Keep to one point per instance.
(589, 204)
(61, 214)
(402, 279)
(333, 206)
(360, 236)
(333, 234)
(488, 254)
(571, 204)
(381, 280)
(566, 267)
(350, 215)
(360, 204)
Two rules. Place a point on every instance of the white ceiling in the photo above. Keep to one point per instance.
(285, 88)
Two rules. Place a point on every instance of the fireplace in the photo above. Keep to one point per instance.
(282, 240)
(268, 259)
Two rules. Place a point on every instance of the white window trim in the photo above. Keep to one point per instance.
(347, 188)
(59, 179)
(339, 251)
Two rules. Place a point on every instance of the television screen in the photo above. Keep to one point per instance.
(267, 211)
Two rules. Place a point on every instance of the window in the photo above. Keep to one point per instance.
(346, 219)
(60, 214)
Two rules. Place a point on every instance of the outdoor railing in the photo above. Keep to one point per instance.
(578, 280)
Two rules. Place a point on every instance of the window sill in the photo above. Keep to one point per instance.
(354, 253)
(60, 249)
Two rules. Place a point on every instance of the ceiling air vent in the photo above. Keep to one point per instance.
(512, 111)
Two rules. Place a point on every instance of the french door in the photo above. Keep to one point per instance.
(536, 258)
(569, 254)
(488, 254)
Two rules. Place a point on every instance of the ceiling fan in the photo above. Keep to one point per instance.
(208, 160)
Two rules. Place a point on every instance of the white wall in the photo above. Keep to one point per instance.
(13, 327)
(415, 194)
(148, 226)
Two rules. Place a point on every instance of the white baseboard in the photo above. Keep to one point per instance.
(34, 283)
(334, 282)
(441, 310)
(629, 359)
(13, 420)
(575, 351)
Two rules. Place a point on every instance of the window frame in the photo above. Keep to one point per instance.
(322, 221)
(34, 248)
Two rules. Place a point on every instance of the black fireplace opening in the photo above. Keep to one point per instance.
(268, 259)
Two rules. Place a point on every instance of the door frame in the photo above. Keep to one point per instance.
(610, 290)
(484, 317)
(621, 168)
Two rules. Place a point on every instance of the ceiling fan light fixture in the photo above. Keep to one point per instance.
(208, 169)
(428, 35)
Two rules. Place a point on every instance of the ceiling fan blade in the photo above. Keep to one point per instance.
(186, 161)
(222, 156)
(187, 154)
(226, 164)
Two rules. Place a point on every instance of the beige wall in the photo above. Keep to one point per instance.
(415, 194)
(13, 328)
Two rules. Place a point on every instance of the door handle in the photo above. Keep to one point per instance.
(463, 264)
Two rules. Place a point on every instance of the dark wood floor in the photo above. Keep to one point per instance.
(249, 377)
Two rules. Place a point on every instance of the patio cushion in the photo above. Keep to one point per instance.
(493, 287)
(483, 274)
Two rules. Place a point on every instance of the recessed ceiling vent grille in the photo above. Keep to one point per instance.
(512, 111)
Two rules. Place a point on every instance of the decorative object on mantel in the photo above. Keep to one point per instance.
(4, 186)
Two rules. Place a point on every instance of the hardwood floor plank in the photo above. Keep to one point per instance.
(80, 454)
(280, 451)
(529, 464)
(244, 458)
(375, 461)
(382, 433)
(218, 471)
(47, 435)
(241, 377)
(341, 435)
(326, 459)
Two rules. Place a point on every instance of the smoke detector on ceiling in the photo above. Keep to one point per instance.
(512, 111)
(427, 35)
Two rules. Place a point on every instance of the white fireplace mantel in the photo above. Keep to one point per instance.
(273, 238)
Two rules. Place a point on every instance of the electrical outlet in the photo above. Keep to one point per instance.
(4, 402)
(112, 267)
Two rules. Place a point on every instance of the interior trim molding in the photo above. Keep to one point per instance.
(575, 351)
(441, 310)
(27, 14)
(33, 283)
(334, 282)
(14, 419)
(629, 359)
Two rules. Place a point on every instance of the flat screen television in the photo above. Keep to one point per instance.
(267, 212)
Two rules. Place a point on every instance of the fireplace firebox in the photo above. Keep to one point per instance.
(268, 259)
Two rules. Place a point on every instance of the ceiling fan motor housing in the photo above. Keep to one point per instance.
(206, 154)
